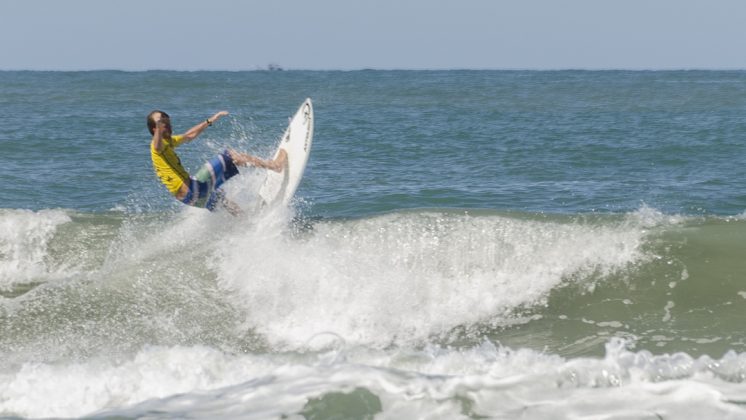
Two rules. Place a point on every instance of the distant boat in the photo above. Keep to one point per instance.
(274, 67)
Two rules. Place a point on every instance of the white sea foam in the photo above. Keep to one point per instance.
(24, 240)
(433, 382)
(407, 276)
(349, 289)
(650, 217)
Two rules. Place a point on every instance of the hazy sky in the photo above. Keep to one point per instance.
(379, 34)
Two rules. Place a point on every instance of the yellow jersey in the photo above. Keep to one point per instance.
(167, 164)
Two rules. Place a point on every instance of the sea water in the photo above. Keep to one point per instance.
(464, 244)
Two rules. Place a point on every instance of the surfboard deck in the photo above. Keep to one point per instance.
(280, 187)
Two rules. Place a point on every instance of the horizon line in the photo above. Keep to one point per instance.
(382, 69)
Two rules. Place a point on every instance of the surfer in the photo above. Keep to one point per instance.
(202, 189)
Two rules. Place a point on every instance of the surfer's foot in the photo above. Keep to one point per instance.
(278, 164)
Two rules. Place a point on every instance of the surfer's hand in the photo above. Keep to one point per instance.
(159, 127)
(218, 115)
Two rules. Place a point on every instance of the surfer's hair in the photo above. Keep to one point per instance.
(151, 120)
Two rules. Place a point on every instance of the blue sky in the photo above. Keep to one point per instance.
(383, 34)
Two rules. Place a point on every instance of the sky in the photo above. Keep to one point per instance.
(376, 34)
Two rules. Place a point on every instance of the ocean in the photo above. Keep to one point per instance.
(463, 245)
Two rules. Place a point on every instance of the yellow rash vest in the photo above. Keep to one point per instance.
(167, 164)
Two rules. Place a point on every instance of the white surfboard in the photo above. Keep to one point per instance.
(279, 187)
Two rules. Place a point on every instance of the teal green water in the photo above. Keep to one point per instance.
(491, 242)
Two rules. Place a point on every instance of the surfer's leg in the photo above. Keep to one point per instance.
(232, 207)
(244, 159)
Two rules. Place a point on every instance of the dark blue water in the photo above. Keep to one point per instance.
(558, 142)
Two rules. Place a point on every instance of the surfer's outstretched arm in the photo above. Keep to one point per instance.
(244, 159)
(195, 131)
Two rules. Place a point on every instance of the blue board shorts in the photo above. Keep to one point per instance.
(203, 187)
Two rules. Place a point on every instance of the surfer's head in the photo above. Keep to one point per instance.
(156, 116)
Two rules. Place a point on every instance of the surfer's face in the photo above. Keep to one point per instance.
(166, 125)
